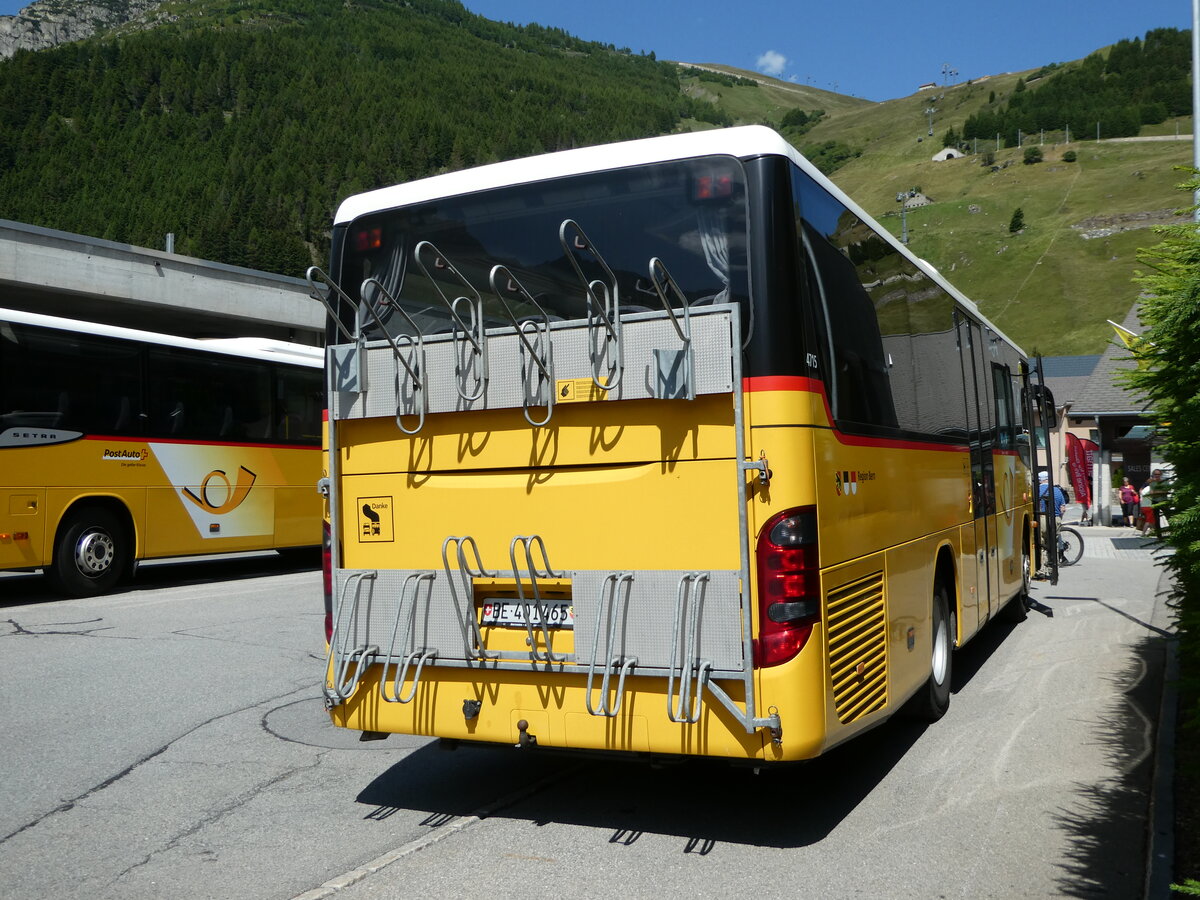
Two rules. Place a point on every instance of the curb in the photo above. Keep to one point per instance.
(1160, 842)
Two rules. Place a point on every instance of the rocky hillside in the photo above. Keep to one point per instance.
(48, 23)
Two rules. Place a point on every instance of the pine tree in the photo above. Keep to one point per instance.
(1168, 374)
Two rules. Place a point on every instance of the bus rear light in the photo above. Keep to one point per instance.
(327, 578)
(789, 586)
(367, 239)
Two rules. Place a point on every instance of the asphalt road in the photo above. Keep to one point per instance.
(169, 740)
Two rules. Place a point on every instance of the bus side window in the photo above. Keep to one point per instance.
(1005, 418)
(64, 380)
(862, 390)
(299, 401)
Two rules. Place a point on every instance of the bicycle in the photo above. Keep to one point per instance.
(1070, 545)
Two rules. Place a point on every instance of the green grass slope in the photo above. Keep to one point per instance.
(765, 102)
(1050, 287)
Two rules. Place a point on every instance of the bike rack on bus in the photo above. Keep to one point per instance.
(696, 675)
(537, 372)
(471, 351)
(409, 598)
(414, 365)
(348, 365)
(534, 572)
(614, 600)
(465, 606)
(342, 656)
(674, 369)
(691, 671)
(603, 312)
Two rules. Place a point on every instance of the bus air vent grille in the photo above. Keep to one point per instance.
(857, 630)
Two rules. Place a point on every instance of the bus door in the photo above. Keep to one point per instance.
(977, 387)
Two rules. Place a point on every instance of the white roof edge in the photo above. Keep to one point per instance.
(742, 142)
(245, 347)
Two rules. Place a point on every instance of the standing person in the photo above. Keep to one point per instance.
(1151, 487)
(1060, 497)
(1046, 503)
(1129, 501)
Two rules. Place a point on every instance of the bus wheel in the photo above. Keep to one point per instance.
(933, 699)
(90, 554)
(1016, 609)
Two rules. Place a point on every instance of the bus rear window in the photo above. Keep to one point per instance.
(690, 214)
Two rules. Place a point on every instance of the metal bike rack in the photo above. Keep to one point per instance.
(687, 667)
(465, 604)
(409, 598)
(348, 364)
(343, 656)
(534, 572)
(614, 599)
(414, 364)
(603, 311)
(537, 372)
(675, 369)
(471, 350)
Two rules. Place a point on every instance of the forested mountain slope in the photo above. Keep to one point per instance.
(239, 126)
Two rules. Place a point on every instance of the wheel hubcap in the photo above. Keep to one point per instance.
(941, 651)
(94, 553)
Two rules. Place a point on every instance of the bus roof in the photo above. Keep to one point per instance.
(244, 347)
(743, 142)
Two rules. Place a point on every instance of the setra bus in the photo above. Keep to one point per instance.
(663, 447)
(119, 445)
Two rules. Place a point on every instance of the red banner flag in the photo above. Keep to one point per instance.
(1092, 449)
(1077, 469)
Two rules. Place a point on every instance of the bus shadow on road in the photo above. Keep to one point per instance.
(702, 802)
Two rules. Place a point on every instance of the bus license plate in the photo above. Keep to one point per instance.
(511, 613)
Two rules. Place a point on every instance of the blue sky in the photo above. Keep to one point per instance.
(878, 49)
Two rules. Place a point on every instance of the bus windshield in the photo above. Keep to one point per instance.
(690, 214)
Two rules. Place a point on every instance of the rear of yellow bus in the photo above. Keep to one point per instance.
(597, 542)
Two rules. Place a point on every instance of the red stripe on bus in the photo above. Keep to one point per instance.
(813, 386)
(157, 440)
(783, 383)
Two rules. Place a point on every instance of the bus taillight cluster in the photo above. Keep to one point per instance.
(789, 597)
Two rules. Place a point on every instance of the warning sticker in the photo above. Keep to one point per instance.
(374, 519)
(578, 390)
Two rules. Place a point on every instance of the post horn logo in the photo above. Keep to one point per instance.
(234, 494)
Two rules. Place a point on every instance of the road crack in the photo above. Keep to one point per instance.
(68, 805)
(19, 630)
(216, 815)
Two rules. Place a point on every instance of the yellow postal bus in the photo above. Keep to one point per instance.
(660, 447)
(119, 445)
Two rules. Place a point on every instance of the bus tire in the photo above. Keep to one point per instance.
(933, 699)
(1017, 609)
(91, 553)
